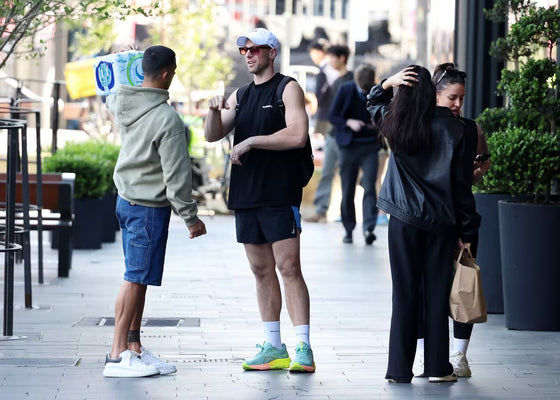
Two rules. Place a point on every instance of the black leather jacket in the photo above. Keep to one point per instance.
(432, 190)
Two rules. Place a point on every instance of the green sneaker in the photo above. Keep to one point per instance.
(268, 358)
(304, 359)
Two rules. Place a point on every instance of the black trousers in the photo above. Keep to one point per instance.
(460, 329)
(352, 158)
(418, 256)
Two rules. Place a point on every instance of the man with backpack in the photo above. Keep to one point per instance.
(271, 163)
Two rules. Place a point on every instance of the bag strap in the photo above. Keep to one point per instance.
(460, 256)
(280, 90)
(241, 95)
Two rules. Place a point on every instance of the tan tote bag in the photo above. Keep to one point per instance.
(466, 300)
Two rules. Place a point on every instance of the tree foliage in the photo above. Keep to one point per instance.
(22, 20)
(190, 28)
(525, 137)
(502, 8)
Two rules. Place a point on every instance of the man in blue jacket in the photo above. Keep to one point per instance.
(358, 144)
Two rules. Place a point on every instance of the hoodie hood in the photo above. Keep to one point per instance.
(130, 103)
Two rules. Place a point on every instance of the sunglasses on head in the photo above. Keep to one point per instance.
(452, 72)
(255, 50)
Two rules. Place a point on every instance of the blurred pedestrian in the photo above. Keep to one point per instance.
(358, 145)
(152, 175)
(427, 192)
(324, 80)
(337, 58)
(266, 192)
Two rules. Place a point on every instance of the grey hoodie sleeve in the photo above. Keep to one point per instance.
(177, 175)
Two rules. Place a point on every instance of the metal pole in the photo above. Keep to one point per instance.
(55, 115)
(26, 227)
(39, 197)
(9, 234)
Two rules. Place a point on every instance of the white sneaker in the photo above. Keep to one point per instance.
(128, 365)
(446, 378)
(460, 365)
(164, 367)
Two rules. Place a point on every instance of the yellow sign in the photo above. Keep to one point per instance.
(80, 80)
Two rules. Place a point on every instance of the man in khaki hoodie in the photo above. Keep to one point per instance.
(153, 176)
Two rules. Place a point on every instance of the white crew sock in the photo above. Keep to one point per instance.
(461, 345)
(302, 333)
(420, 347)
(272, 333)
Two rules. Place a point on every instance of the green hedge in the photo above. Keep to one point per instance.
(523, 162)
(93, 163)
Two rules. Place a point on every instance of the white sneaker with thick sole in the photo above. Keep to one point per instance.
(164, 367)
(460, 365)
(446, 378)
(128, 365)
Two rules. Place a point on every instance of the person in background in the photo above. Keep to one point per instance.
(323, 83)
(152, 176)
(337, 58)
(383, 157)
(358, 145)
(427, 192)
(266, 193)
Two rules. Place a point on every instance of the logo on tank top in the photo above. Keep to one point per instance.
(267, 106)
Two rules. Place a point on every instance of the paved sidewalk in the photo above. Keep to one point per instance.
(208, 303)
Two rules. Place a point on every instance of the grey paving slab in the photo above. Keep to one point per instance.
(208, 280)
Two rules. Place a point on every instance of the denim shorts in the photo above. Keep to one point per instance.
(144, 239)
(267, 224)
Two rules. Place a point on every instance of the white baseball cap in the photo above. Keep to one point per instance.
(259, 36)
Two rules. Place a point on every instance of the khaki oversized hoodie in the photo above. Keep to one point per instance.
(153, 168)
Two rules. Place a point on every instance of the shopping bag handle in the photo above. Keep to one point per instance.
(461, 253)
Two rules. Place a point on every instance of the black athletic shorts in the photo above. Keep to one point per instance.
(267, 224)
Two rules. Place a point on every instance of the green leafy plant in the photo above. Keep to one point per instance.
(523, 136)
(93, 163)
(524, 161)
(493, 120)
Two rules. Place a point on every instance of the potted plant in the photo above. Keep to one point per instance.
(526, 161)
(109, 152)
(93, 181)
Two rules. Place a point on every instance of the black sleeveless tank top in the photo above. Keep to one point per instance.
(266, 177)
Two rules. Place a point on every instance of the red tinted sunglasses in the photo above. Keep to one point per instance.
(255, 50)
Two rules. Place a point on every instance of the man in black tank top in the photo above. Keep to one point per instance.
(266, 191)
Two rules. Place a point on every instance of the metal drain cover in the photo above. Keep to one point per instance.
(39, 362)
(173, 322)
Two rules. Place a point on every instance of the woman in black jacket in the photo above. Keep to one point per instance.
(427, 192)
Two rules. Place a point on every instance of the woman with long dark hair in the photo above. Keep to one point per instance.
(427, 192)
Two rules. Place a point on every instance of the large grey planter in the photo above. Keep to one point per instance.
(488, 254)
(530, 265)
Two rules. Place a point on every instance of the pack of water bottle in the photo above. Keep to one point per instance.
(123, 68)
